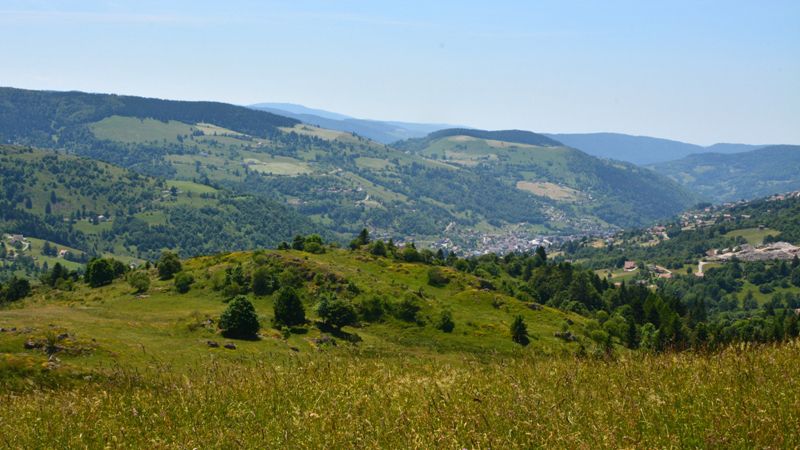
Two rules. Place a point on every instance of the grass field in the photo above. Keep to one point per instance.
(754, 236)
(741, 398)
(188, 186)
(136, 372)
(280, 165)
(549, 190)
(133, 130)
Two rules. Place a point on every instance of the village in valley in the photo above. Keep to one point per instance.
(753, 243)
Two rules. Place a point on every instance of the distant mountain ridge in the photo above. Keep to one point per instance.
(727, 177)
(382, 131)
(34, 117)
(512, 136)
(641, 150)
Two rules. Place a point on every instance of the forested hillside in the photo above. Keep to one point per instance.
(99, 208)
(615, 192)
(516, 182)
(739, 176)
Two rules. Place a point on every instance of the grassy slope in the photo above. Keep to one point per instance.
(150, 381)
(599, 185)
(753, 236)
(134, 331)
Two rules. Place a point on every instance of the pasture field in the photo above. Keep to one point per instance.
(549, 190)
(754, 236)
(135, 371)
(741, 398)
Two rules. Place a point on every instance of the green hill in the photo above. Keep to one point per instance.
(99, 208)
(729, 177)
(398, 310)
(343, 182)
(152, 368)
(617, 193)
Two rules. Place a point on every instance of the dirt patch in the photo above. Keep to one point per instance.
(549, 190)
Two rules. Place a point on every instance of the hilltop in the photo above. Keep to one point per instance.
(399, 308)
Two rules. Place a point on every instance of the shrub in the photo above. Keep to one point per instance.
(437, 277)
(168, 265)
(314, 247)
(371, 309)
(445, 322)
(183, 282)
(407, 309)
(99, 272)
(263, 282)
(288, 308)
(239, 320)
(139, 281)
(378, 248)
(336, 312)
(16, 289)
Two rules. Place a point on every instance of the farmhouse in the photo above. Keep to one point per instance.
(629, 266)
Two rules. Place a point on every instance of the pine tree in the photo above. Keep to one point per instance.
(519, 331)
(288, 308)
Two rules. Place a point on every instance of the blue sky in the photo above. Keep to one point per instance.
(699, 71)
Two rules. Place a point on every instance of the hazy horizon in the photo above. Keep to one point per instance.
(694, 72)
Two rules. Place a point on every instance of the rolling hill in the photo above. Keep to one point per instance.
(99, 208)
(506, 183)
(641, 150)
(615, 192)
(728, 177)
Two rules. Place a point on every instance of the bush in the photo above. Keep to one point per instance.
(239, 320)
(336, 312)
(371, 309)
(99, 272)
(263, 282)
(16, 289)
(445, 322)
(407, 309)
(183, 282)
(168, 265)
(288, 308)
(378, 248)
(140, 281)
(437, 277)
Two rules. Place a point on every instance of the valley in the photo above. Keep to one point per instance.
(410, 191)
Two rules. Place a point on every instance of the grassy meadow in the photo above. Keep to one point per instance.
(136, 371)
(741, 398)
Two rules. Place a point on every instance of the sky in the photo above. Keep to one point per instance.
(697, 71)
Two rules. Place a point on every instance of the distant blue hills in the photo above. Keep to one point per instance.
(641, 150)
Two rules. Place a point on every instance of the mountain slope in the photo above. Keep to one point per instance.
(100, 208)
(641, 149)
(380, 131)
(514, 183)
(617, 193)
(747, 175)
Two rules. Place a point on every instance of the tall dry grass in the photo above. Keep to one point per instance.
(740, 398)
